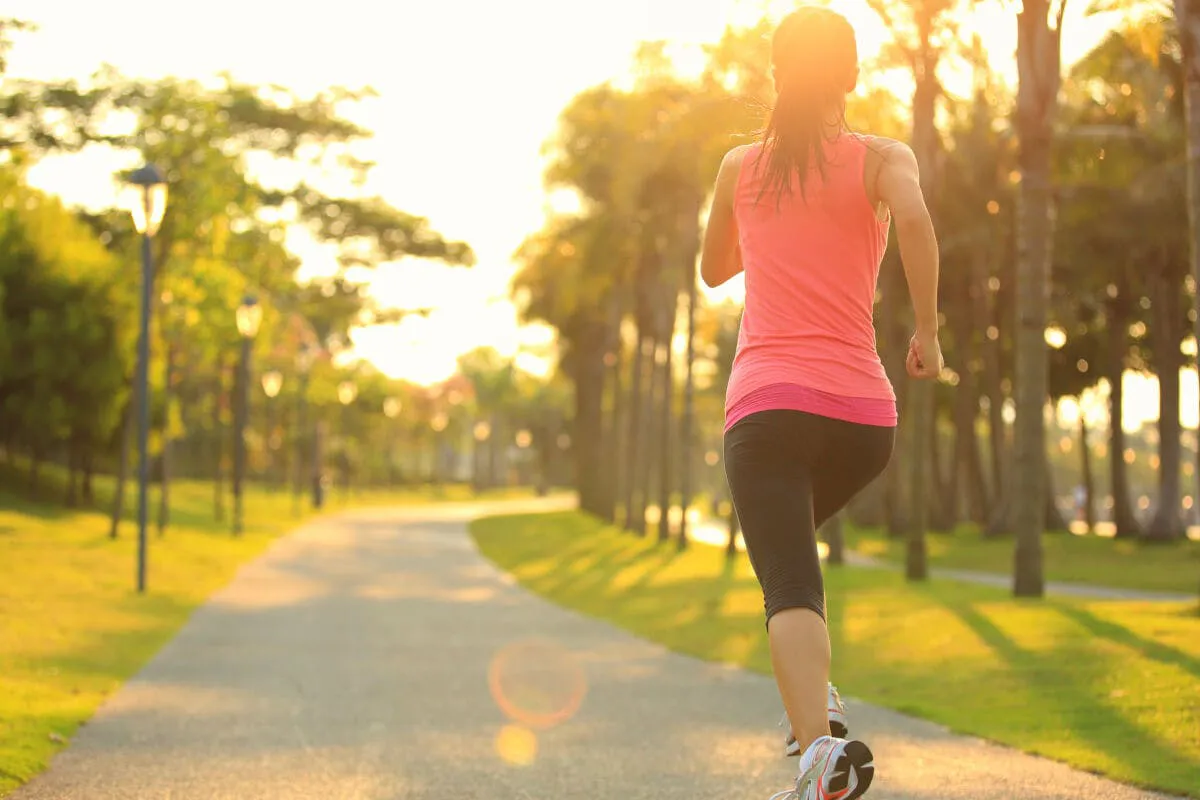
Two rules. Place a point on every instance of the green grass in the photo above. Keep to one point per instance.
(1173, 567)
(72, 628)
(1105, 686)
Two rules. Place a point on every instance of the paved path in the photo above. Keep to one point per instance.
(352, 662)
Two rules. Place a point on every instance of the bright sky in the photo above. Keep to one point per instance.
(469, 91)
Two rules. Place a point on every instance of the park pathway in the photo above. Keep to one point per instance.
(378, 656)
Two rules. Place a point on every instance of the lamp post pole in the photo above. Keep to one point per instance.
(147, 202)
(303, 364)
(249, 315)
(272, 384)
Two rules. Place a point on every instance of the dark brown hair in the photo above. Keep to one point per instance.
(815, 57)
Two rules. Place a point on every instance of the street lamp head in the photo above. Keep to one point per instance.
(146, 198)
(272, 382)
(391, 407)
(249, 317)
(347, 391)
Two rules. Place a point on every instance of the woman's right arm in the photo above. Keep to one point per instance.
(899, 187)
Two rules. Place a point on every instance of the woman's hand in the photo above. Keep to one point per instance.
(924, 356)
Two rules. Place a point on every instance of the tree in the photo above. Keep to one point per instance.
(1039, 34)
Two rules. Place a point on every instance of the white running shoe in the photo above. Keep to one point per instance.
(832, 769)
(837, 723)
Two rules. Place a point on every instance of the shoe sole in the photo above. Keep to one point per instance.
(855, 757)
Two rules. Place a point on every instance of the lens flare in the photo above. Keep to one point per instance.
(537, 683)
(516, 745)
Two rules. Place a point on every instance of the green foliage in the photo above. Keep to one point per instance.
(65, 338)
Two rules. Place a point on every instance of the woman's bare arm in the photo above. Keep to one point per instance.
(721, 258)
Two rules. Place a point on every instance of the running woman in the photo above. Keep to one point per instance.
(810, 414)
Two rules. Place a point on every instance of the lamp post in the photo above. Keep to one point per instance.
(304, 361)
(272, 383)
(347, 391)
(147, 201)
(391, 409)
(249, 316)
(523, 440)
(481, 432)
(439, 423)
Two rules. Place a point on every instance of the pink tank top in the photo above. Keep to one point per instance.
(807, 337)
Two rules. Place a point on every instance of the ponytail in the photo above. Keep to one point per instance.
(816, 64)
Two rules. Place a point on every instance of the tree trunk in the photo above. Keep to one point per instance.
(613, 436)
(1053, 518)
(1167, 524)
(89, 494)
(687, 432)
(1187, 15)
(118, 508)
(893, 345)
(1123, 518)
(220, 398)
(589, 389)
(666, 477)
(1089, 482)
(966, 401)
(72, 498)
(1038, 70)
(164, 493)
(633, 439)
(944, 506)
(643, 472)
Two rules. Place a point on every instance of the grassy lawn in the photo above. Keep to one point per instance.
(1081, 559)
(72, 628)
(1109, 687)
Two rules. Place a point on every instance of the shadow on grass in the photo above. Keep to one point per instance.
(1103, 629)
(1068, 706)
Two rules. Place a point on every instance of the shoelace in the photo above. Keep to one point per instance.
(808, 778)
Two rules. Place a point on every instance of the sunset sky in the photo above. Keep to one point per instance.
(469, 91)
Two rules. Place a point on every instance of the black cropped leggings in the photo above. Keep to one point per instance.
(790, 471)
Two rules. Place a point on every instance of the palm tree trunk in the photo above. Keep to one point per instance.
(943, 510)
(589, 389)
(1167, 524)
(613, 436)
(1053, 518)
(1187, 15)
(893, 345)
(1038, 70)
(643, 473)
(921, 397)
(633, 438)
(1123, 518)
(1089, 481)
(687, 433)
(666, 473)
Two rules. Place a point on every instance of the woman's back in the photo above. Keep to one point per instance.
(811, 265)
